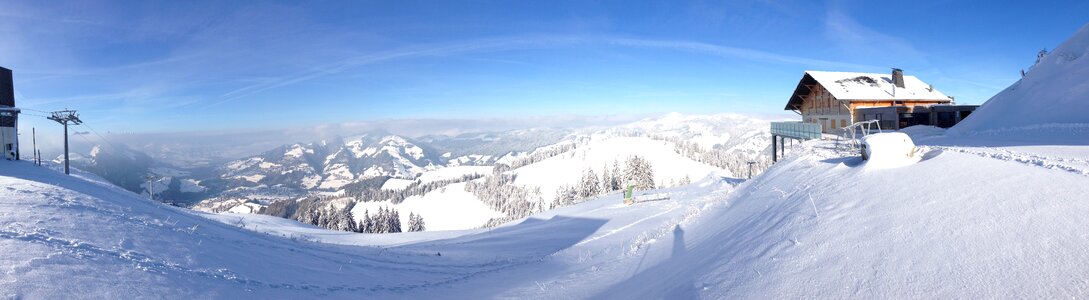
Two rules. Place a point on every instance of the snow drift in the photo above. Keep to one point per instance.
(888, 150)
(819, 225)
(1053, 95)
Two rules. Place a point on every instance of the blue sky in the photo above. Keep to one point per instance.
(150, 66)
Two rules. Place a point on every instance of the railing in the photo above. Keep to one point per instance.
(796, 130)
(851, 137)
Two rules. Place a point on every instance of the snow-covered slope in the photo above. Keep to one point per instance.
(1052, 98)
(733, 132)
(824, 225)
(604, 152)
(66, 237)
(104, 242)
(449, 208)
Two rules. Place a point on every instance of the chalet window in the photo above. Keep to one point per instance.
(7, 119)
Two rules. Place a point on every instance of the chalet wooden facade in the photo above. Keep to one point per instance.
(837, 99)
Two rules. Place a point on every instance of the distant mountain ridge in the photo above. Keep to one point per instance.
(341, 165)
(329, 165)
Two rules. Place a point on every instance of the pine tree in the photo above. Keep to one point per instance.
(565, 196)
(381, 221)
(615, 183)
(394, 220)
(347, 220)
(321, 218)
(606, 181)
(589, 186)
(368, 224)
(638, 172)
(415, 222)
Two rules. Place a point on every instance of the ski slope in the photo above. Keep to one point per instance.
(108, 242)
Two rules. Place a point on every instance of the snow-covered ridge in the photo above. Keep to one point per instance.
(1051, 96)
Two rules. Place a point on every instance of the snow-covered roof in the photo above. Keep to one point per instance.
(856, 86)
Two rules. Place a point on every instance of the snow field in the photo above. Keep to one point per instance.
(567, 168)
(448, 208)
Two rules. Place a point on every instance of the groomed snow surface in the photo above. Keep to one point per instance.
(102, 241)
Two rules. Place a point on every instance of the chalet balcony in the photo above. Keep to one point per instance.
(796, 130)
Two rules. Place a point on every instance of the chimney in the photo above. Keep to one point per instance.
(7, 88)
(898, 77)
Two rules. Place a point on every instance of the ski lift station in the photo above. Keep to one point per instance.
(9, 116)
(831, 102)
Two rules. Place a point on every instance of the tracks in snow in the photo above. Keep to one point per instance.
(1072, 165)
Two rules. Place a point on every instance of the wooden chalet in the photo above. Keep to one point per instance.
(835, 100)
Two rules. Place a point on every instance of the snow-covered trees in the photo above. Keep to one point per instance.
(343, 220)
(313, 211)
(638, 172)
(499, 192)
(386, 220)
(415, 223)
(737, 163)
(566, 195)
(613, 181)
(366, 224)
(590, 185)
(541, 154)
(375, 193)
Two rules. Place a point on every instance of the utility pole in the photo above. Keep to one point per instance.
(150, 188)
(34, 138)
(66, 117)
(750, 168)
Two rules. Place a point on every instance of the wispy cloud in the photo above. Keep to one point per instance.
(528, 42)
(732, 52)
(854, 38)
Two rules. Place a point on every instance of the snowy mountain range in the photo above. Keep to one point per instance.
(391, 162)
(329, 165)
(541, 162)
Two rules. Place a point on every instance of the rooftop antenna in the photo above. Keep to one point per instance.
(66, 117)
